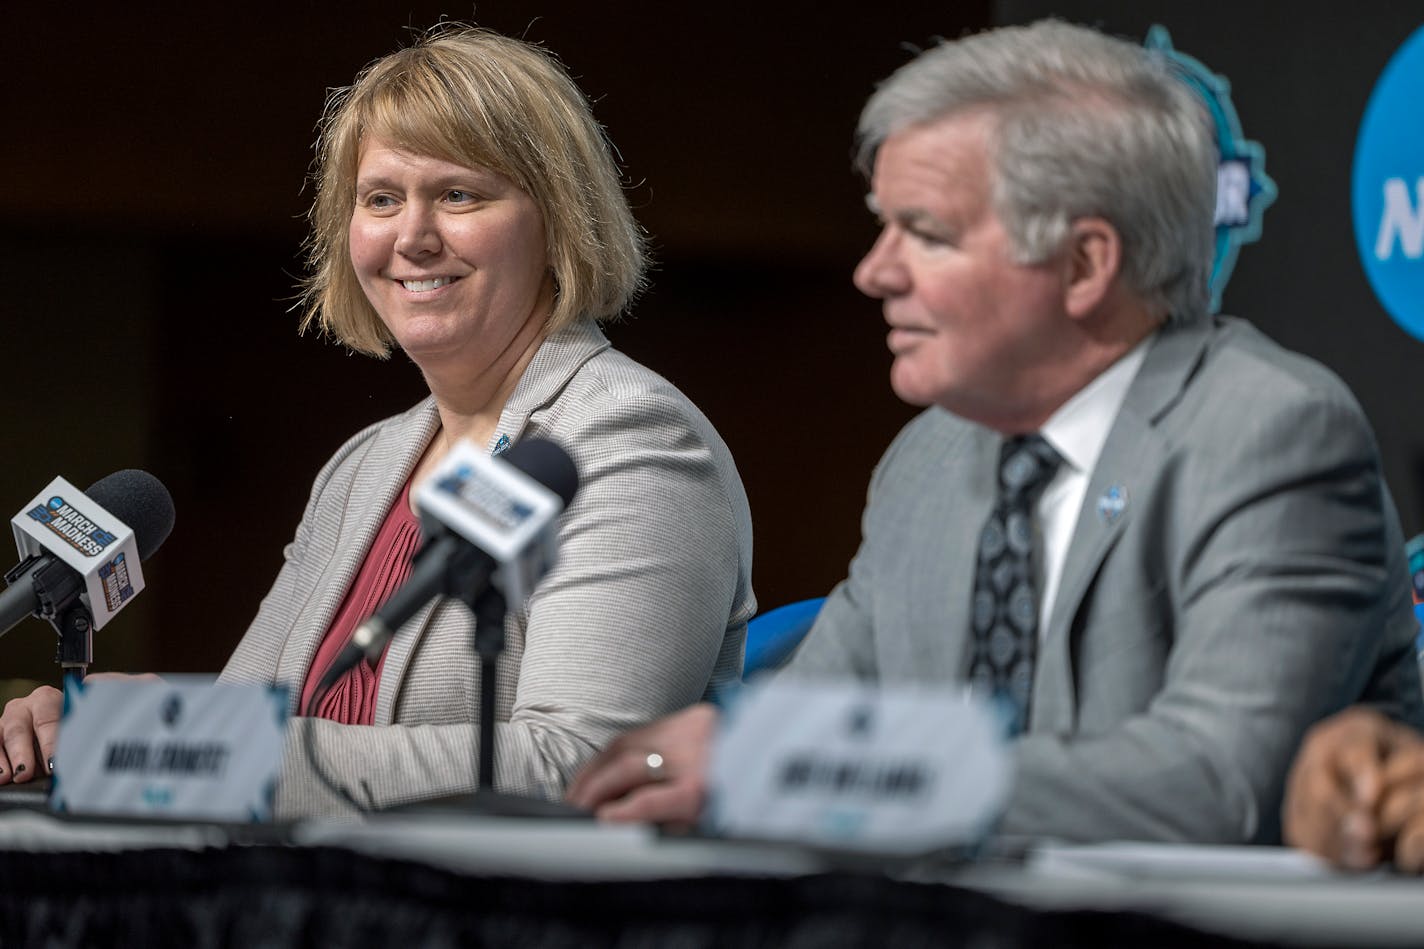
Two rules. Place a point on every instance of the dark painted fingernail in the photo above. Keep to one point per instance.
(49, 765)
(19, 769)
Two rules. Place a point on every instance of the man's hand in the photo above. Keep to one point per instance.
(656, 774)
(1358, 785)
(1401, 807)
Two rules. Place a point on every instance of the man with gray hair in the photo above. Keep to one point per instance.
(1160, 541)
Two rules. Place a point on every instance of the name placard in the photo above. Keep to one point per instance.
(188, 748)
(843, 765)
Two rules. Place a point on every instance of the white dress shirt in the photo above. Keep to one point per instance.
(1077, 432)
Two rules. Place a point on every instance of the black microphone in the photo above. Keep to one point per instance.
(43, 585)
(486, 526)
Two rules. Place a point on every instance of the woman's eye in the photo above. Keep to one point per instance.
(455, 196)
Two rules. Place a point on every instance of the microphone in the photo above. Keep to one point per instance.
(490, 522)
(87, 544)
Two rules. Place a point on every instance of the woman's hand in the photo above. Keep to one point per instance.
(29, 730)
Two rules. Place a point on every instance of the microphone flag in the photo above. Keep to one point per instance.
(64, 522)
(505, 512)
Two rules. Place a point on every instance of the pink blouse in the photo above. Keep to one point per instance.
(352, 700)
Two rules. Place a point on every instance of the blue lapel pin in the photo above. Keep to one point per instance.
(501, 446)
(1112, 504)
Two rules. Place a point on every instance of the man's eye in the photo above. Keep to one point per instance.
(926, 238)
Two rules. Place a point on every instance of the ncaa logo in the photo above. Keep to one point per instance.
(1387, 188)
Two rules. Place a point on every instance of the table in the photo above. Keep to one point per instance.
(459, 880)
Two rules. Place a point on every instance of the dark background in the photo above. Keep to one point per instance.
(154, 164)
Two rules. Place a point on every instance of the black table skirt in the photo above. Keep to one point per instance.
(289, 896)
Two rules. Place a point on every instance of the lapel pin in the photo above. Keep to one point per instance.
(501, 445)
(1112, 504)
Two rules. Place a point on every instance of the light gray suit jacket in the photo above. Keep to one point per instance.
(1253, 582)
(645, 611)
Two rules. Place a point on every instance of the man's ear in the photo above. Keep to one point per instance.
(1092, 263)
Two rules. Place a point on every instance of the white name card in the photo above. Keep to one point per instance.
(842, 765)
(187, 748)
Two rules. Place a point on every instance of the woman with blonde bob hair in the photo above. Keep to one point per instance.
(468, 212)
(472, 97)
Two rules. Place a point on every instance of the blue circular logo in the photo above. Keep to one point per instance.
(1387, 188)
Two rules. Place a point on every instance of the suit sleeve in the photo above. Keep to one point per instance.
(644, 611)
(841, 643)
(1288, 592)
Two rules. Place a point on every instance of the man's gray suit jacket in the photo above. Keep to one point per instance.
(1236, 573)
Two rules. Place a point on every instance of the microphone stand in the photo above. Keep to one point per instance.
(60, 592)
(60, 595)
(76, 641)
(490, 609)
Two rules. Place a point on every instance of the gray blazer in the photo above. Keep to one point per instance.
(1252, 582)
(644, 613)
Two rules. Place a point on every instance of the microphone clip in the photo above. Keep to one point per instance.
(60, 593)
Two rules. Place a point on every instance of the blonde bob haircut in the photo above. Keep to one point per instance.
(475, 98)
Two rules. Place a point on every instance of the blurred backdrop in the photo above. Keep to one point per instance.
(155, 162)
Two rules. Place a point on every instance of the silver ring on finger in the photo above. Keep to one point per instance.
(656, 767)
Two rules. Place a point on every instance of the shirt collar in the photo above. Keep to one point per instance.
(1080, 426)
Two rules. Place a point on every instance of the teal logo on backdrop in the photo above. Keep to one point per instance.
(1243, 190)
(1387, 187)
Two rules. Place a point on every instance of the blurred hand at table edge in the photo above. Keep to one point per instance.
(29, 730)
(1355, 794)
(655, 774)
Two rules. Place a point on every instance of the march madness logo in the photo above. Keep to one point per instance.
(485, 499)
(114, 578)
(73, 527)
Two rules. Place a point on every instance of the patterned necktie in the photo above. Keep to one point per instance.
(1005, 616)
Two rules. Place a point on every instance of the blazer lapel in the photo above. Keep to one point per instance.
(561, 355)
(558, 358)
(1130, 463)
(377, 481)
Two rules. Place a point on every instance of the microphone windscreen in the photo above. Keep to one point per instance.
(547, 464)
(139, 500)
